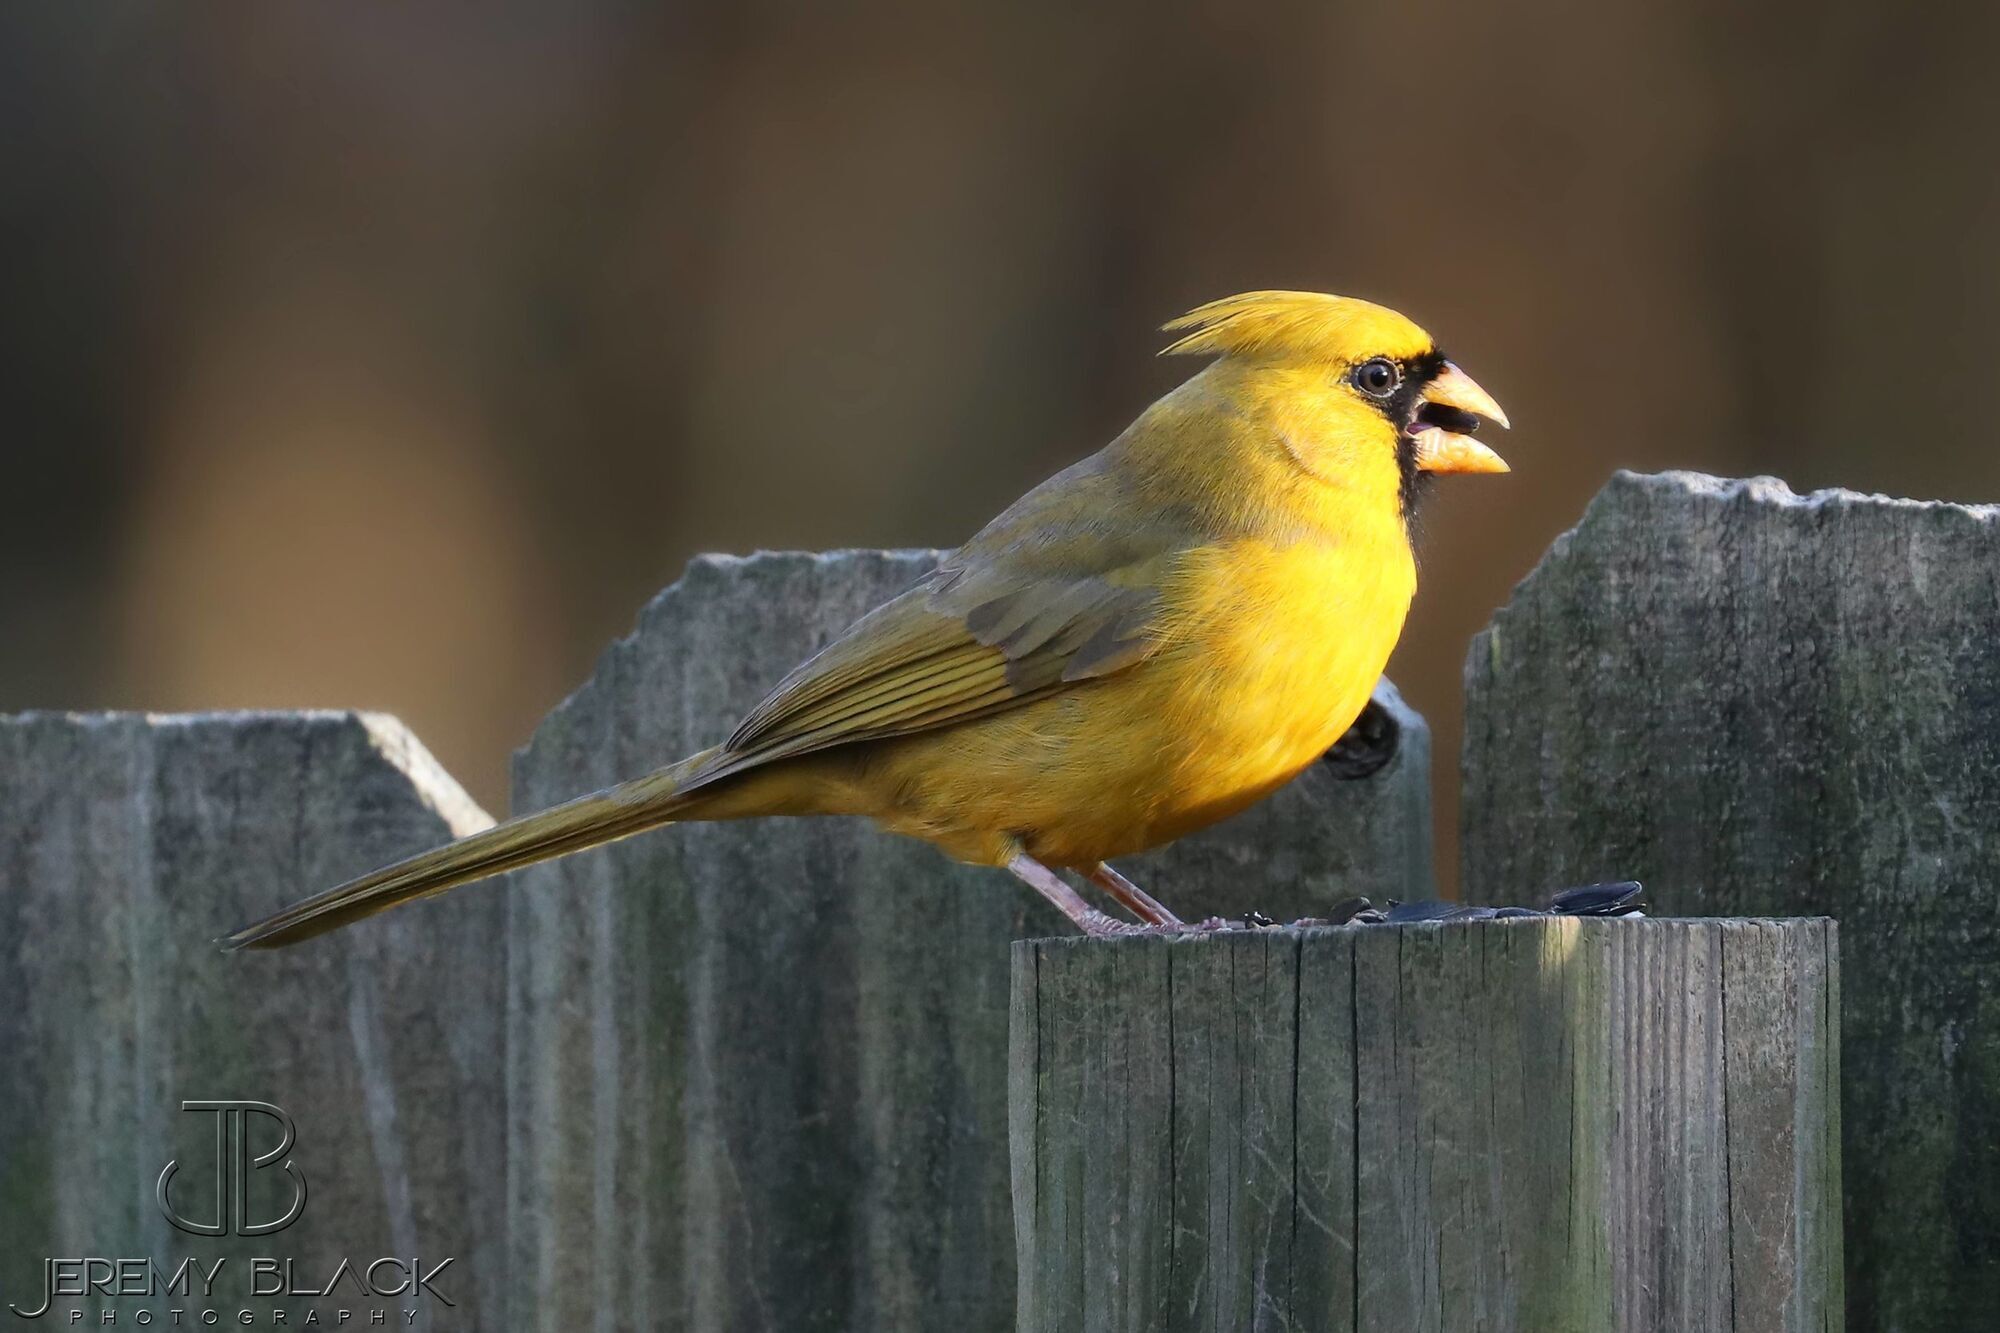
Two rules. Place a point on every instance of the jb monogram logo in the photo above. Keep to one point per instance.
(233, 1165)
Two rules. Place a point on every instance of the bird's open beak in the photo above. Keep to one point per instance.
(1448, 412)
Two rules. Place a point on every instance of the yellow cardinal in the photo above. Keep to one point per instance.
(1142, 645)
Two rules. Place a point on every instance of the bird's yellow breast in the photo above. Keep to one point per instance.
(1281, 646)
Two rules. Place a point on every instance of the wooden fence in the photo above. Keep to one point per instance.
(757, 1075)
(127, 843)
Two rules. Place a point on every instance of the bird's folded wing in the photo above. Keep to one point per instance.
(969, 640)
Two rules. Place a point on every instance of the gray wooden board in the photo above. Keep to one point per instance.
(128, 843)
(1545, 1125)
(1763, 703)
(757, 1070)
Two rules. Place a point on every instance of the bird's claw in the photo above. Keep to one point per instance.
(1207, 926)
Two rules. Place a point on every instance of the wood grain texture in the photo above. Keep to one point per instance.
(1544, 1125)
(1758, 702)
(128, 843)
(758, 1071)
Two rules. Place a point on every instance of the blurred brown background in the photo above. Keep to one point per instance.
(394, 355)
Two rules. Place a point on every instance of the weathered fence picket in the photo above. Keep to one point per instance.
(757, 1072)
(127, 844)
(1758, 702)
(1545, 1125)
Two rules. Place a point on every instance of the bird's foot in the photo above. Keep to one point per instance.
(1098, 925)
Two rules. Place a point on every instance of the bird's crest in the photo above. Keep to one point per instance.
(1296, 324)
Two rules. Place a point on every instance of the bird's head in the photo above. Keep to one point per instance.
(1359, 372)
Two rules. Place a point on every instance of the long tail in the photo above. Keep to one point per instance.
(606, 816)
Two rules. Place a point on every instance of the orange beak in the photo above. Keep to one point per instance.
(1453, 404)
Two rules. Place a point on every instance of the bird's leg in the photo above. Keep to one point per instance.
(1136, 900)
(1067, 900)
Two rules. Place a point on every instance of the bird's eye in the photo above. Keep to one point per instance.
(1377, 378)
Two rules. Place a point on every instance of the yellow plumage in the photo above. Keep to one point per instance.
(1305, 325)
(1147, 642)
